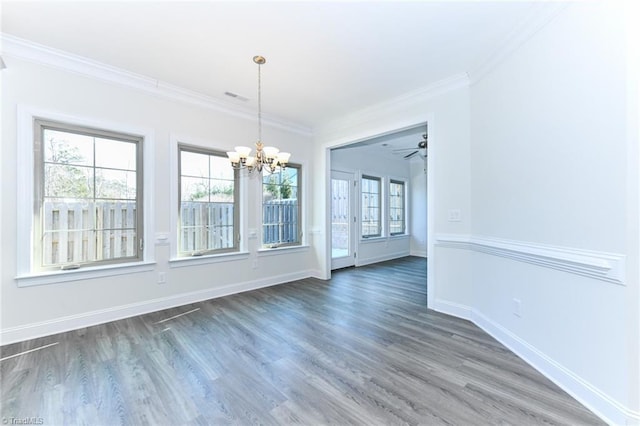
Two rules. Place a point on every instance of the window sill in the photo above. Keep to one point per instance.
(55, 277)
(281, 250)
(181, 262)
(399, 236)
(372, 240)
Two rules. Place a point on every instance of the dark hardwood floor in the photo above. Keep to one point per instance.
(359, 349)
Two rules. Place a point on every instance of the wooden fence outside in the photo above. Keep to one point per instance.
(206, 226)
(71, 236)
(280, 221)
(80, 232)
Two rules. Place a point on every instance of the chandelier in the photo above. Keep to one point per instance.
(267, 157)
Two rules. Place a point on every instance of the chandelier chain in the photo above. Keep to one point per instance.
(259, 103)
(267, 157)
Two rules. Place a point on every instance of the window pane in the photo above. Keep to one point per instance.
(221, 168)
(115, 154)
(370, 214)
(194, 189)
(65, 181)
(207, 207)
(113, 244)
(221, 190)
(67, 148)
(116, 184)
(194, 164)
(396, 208)
(86, 213)
(280, 206)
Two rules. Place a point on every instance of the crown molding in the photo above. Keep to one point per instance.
(374, 112)
(542, 13)
(27, 50)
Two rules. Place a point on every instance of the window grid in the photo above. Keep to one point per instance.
(208, 202)
(281, 211)
(371, 209)
(396, 207)
(88, 192)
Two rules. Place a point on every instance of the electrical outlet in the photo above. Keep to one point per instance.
(517, 307)
(162, 277)
(454, 215)
(254, 264)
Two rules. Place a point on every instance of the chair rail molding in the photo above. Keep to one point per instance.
(609, 267)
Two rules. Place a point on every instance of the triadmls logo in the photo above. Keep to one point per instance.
(22, 421)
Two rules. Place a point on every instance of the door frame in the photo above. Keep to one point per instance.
(356, 135)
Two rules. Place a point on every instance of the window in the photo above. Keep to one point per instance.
(208, 202)
(88, 196)
(281, 207)
(396, 207)
(371, 209)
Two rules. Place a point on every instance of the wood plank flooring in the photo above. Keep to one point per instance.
(359, 349)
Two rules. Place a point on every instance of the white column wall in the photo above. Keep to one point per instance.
(550, 146)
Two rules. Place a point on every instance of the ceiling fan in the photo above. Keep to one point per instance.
(414, 150)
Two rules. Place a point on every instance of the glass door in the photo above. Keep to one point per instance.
(342, 220)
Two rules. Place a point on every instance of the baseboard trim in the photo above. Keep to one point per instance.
(74, 322)
(418, 253)
(383, 258)
(452, 308)
(601, 404)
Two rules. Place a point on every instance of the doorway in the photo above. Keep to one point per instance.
(343, 220)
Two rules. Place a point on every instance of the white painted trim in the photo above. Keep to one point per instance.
(276, 251)
(418, 253)
(372, 113)
(609, 267)
(55, 277)
(25, 184)
(44, 55)
(74, 322)
(452, 308)
(431, 211)
(381, 258)
(542, 13)
(607, 408)
(182, 262)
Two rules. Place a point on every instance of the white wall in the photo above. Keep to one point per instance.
(549, 171)
(45, 309)
(418, 207)
(359, 161)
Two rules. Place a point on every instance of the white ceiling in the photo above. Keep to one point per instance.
(324, 59)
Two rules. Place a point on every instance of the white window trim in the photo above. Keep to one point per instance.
(26, 275)
(281, 250)
(177, 261)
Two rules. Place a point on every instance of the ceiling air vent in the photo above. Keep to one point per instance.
(236, 96)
